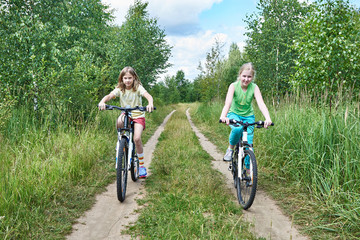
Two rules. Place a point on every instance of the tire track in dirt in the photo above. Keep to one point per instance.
(108, 217)
(268, 220)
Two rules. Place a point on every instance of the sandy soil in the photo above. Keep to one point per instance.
(108, 217)
(268, 220)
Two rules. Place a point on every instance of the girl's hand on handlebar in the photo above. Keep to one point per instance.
(102, 106)
(150, 108)
(225, 120)
(267, 123)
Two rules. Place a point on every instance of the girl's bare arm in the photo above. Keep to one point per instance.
(104, 100)
(228, 101)
(149, 98)
(264, 110)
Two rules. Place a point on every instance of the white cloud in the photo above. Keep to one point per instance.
(120, 8)
(178, 12)
(190, 50)
(169, 13)
(306, 1)
(180, 19)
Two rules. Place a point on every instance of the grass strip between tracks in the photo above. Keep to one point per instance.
(186, 198)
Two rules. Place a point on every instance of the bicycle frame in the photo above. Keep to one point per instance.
(127, 132)
(242, 145)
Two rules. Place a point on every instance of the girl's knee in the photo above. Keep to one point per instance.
(137, 139)
(120, 121)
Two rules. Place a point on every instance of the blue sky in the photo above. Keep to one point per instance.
(226, 13)
(192, 27)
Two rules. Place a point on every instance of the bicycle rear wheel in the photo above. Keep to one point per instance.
(121, 170)
(134, 168)
(246, 187)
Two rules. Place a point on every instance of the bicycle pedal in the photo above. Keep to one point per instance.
(230, 167)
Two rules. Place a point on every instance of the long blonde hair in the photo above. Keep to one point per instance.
(136, 82)
(247, 67)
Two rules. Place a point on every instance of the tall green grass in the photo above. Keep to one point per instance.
(312, 152)
(51, 170)
(321, 151)
(47, 171)
(187, 198)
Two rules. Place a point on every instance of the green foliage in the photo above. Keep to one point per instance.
(230, 68)
(271, 35)
(174, 89)
(329, 60)
(57, 55)
(39, 36)
(140, 43)
(209, 80)
(172, 93)
(219, 72)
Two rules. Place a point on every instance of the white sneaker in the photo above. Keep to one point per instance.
(228, 155)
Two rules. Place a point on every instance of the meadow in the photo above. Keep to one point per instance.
(52, 169)
(186, 198)
(309, 162)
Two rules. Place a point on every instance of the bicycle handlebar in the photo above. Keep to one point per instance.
(111, 107)
(259, 124)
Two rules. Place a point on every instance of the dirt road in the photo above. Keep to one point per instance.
(108, 217)
(268, 220)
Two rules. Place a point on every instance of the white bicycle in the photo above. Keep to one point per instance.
(243, 165)
(126, 157)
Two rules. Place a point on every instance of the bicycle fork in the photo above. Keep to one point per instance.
(130, 149)
(239, 165)
(242, 155)
(117, 148)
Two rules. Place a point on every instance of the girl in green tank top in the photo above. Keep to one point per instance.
(238, 106)
(243, 106)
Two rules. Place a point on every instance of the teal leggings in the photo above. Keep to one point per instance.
(236, 132)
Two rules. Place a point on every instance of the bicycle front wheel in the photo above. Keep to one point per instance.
(234, 167)
(121, 170)
(246, 187)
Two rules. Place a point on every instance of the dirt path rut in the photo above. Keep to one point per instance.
(108, 217)
(266, 216)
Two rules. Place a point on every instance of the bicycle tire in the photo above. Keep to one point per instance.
(134, 167)
(121, 170)
(245, 190)
(235, 164)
